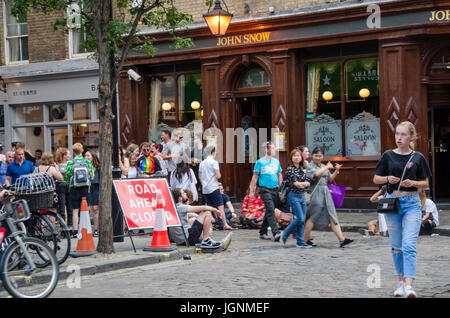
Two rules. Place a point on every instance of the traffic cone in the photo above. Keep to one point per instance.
(160, 240)
(85, 246)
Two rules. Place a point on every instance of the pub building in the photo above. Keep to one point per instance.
(340, 78)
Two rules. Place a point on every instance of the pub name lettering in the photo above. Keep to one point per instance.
(442, 15)
(243, 39)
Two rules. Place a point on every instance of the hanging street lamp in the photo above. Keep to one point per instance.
(218, 19)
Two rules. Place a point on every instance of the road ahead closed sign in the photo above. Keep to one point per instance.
(137, 199)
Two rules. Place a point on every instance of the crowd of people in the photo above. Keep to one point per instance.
(74, 178)
(193, 176)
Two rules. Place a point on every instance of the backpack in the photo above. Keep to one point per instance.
(80, 174)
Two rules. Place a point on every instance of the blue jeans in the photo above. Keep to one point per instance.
(404, 228)
(298, 205)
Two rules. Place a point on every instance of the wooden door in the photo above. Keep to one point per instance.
(252, 112)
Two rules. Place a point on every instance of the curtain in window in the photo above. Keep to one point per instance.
(181, 95)
(313, 88)
(155, 103)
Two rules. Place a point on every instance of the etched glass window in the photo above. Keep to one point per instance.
(254, 77)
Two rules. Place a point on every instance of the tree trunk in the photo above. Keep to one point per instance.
(106, 91)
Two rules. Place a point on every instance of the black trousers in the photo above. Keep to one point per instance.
(269, 197)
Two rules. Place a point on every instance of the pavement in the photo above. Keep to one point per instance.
(125, 257)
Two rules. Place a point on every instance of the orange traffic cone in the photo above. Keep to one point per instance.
(160, 240)
(85, 246)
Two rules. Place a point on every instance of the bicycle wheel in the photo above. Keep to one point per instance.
(18, 277)
(63, 239)
(39, 226)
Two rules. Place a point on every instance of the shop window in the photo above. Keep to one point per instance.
(81, 111)
(58, 112)
(358, 103)
(323, 117)
(29, 114)
(441, 63)
(58, 138)
(16, 36)
(255, 77)
(87, 135)
(2, 116)
(33, 137)
(175, 101)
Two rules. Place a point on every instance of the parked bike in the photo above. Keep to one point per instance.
(23, 258)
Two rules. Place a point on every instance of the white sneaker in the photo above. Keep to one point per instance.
(409, 292)
(400, 291)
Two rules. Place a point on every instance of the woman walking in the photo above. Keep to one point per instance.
(321, 209)
(296, 181)
(404, 226)
(94, 188)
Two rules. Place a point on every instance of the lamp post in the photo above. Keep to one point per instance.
(218, 19)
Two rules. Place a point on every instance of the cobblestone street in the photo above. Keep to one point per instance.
(255, 268)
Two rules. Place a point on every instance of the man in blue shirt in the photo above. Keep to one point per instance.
(267, 174)
(18, 167)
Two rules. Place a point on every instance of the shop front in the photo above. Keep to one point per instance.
(52, 110)
(323, 79)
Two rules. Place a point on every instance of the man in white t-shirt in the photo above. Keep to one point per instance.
(209, 175)
(430, 215)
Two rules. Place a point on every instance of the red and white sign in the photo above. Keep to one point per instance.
(137, 198)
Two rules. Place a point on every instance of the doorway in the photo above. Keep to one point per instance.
(439, 132)
(252, 112)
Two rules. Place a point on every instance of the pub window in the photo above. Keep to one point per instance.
(362, 113)
(16, 36)
(255, 77)
(441, 63)
(175, 102)
(323, 109)
(343, 123)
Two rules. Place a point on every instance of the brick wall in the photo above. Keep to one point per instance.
(44, 43)
(257, 7)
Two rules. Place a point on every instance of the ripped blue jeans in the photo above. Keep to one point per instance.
(404, 228)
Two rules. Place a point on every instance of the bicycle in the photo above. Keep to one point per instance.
(37, 189)
(22, 257)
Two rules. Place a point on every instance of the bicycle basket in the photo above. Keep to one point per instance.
(21, 212)
(37, 189)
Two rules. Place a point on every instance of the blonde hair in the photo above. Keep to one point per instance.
(423, 197)
(77, 148)
(412, 130)
(47, 159)
(59, 154)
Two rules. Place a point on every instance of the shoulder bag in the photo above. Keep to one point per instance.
(392, 205)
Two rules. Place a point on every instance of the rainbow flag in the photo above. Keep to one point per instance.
(147, 165)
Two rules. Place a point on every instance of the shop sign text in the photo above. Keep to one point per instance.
(244, 39)
(441, 15)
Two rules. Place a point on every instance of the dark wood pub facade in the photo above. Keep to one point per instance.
(272, 72)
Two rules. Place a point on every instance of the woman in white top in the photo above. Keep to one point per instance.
(183, 177)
